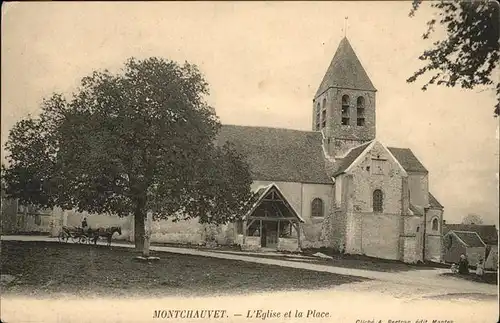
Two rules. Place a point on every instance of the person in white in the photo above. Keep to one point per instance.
(480, 268)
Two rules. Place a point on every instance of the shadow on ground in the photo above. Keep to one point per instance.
(468, 296)
(487, 278)
(42, 268)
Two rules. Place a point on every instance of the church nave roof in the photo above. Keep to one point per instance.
(275, 154)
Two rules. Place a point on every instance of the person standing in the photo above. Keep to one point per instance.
(84, 223)
(480, 268)
(463, 265)
(85, 227)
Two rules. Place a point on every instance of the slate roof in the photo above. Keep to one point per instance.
(275, 154)
(288, 155)
(471, 239)
(345, 71)
(434, 203)
(407, 159)
(488, 233)
(417, 210)
(351, 156)
(404, 156)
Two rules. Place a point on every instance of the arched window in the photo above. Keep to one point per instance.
(435, 224)
(360, 111)
(345, 110)
(318, 122)
(378, 201)
(317, 208)
(360, 102)
(323, 115)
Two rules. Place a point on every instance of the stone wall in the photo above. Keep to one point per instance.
(288, 244)
(190, 231)
(368, 232)
(412, 238)
(433, 248)
(335, 225)
(182, 232)
(411, 249)
(162, 231)
(251, 244)
(343, 137)
(434, 243)
(238, 239)
(16, 218)
(8, 222)
(418, 184)
(379, 235)
(366, 180)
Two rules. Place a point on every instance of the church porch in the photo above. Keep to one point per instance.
(271, 224)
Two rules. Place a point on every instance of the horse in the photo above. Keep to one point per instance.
(106, 233)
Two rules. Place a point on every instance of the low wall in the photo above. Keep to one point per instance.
(239, 240)
(288, 244)
(33, 223)
(251, 243)
(180, 238)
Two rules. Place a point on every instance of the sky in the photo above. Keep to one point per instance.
(264, 61)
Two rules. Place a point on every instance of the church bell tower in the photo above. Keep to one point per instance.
(344, 104)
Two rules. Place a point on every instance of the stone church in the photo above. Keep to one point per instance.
(334, 186)
(337, 185)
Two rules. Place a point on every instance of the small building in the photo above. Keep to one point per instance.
(467, 243)
(489, 235)
(491, 262)
(16, 218)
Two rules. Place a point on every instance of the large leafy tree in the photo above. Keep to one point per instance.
(472, 219)
(469, 55)
(142, 140)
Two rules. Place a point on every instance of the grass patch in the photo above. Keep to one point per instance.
(48, 267)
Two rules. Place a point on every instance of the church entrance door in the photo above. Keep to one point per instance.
(269, 237)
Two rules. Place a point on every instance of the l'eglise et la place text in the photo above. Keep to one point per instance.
(404, 321)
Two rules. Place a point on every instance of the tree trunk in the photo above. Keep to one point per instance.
(139, 230)
(147, 234)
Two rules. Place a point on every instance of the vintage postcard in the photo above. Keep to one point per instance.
(250, 162)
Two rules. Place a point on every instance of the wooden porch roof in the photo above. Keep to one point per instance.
(272, 193)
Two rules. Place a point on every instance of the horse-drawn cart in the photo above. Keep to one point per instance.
(76, 234)
(80, 235)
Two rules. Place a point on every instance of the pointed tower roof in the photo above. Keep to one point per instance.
(345, 71)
